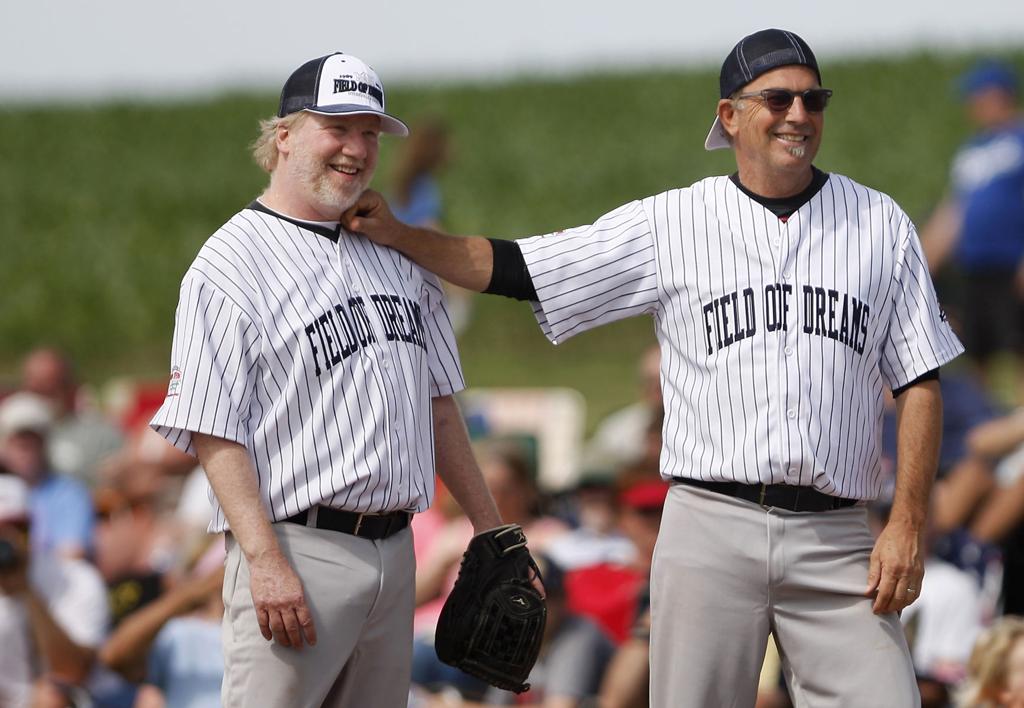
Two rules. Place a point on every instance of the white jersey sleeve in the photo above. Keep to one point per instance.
(592, 275)
(442, 352)
(213, 361)
(919, 337)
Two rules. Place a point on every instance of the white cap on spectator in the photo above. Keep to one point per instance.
(13, 498)
(25, 412)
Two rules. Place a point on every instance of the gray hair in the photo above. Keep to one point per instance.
(264, 148)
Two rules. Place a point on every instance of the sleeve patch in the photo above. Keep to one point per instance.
(175, 384)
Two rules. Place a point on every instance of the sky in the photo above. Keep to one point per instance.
(64, 51)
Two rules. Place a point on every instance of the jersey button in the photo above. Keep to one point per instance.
(789, 351)
(791, 413)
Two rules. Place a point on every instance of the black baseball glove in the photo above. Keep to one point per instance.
(492, 623)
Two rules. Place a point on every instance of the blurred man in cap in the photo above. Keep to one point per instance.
(979, 228)
(53, 612)
(80, 440)
(313, 377)
(61, 508)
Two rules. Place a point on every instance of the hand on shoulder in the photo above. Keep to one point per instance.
(371, 216)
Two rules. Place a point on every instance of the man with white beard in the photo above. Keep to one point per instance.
(312, 373)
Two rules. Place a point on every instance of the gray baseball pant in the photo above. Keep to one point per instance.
(360, 593)
(728, 572)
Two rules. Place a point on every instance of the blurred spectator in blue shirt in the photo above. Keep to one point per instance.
(981, 225)
(61, 508)
(415, 196)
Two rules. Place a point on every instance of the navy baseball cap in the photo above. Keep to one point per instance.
(752, 56)
(338, 84)
(985, 75)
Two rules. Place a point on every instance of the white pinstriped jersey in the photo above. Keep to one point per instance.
(777, 337)
(320, 355)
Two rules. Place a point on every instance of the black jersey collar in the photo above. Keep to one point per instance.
(332, 234)
(783, 207)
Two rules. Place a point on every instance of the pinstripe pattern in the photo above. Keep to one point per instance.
(320, 356)
(778, 337)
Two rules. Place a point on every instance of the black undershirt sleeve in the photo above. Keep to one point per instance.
(932, 375)
(509, 276)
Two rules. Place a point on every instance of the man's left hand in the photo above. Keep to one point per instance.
(896, 568)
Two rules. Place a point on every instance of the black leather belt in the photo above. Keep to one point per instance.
(371, 526)
(783, 496)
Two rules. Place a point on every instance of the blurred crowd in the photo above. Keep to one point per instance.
(110, 584)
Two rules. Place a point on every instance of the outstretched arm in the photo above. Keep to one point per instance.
(466, 261)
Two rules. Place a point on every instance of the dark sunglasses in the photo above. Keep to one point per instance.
(778, 100)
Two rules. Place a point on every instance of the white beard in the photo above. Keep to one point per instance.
(315, 176)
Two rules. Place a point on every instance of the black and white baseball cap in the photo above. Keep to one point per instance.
(337, 84)
(752, 56)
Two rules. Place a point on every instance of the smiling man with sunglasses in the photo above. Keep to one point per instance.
(787, 302)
